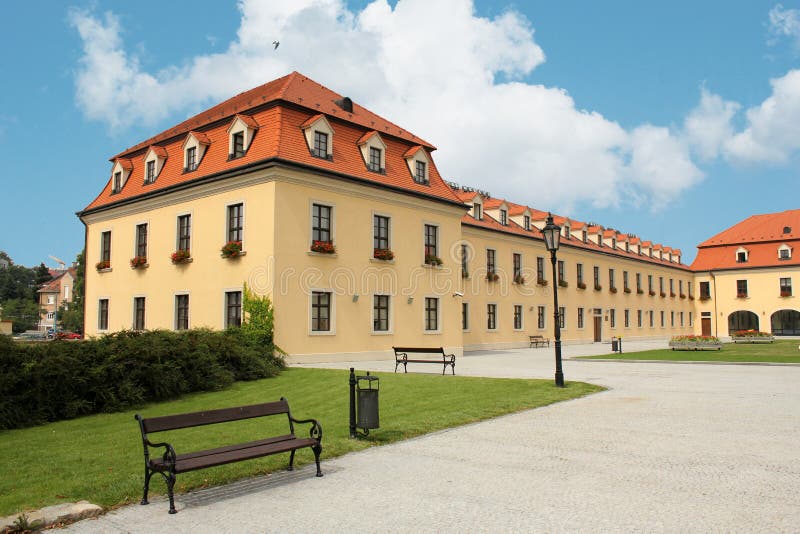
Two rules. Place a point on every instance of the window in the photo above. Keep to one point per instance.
(102, 314)
(540, 269)
(476, 211)
(650, 283)
(691, 321)
(579, 267)
(786, 287)
(464, 260)
(504, 217)
(380, 232)
(491, 316)
(561, 275)
(105, 247)
(784, 253)
(672, 319)
(680, 288)
(238, 145)
(321, 223)
(526, 222)
(662, 318)
(661, 284)
(597, 277)
(580, 317)
(191, 158)
(150, 173)
(627, 318)
(50, 316)
(540, 317)
(741, 257)
(585, 236)
(141, 240)
(671, 287)
(181, 312)
(490, 261)
(639, 318)
(705, 290)
(380, 313)
(517, 261)
(681, 319)
(117, 185)
(233, 309)
(138, 313)
(465, 315)
(51, 299)
(421, 176)
(184, 232)
(320, 311)
(517, 317)
(431, 314)
(320, 145)
(612, 317)
(611, 283)
(562, 317)
(374, 159)
(235, 222)
(625, 286)
(652, 319)
(431, 241)
(741, 289)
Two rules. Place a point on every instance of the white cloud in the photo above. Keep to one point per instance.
(437, 69)
(709, 125)
(784, 23)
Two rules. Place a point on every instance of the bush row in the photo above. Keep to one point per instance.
(43, 382)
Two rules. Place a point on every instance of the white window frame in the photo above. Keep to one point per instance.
(224, 311)
(332, 331)
(496, 316)
(390, 308)
(225, 223)
(329, 204)
(438, 330)
(175, 310)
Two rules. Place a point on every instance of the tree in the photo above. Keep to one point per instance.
(70, 315)
(24, 312)
(42, 275)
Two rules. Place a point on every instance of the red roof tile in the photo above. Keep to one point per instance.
(758, 255)
(759, 228)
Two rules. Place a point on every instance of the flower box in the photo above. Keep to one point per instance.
(741, 295)
(464, 273)
(682, 295)
(385, 254)
(612, 289)
(663, 295)
(627, 290)
(786, 293)
(541, 281)
(652, 293)
(231, 249)
(693, 342)
(430, 259)
(581, 285)
(752, 336)
(563, 283)
(640, 291)
(138, 261)
(181, 256)
(671, 294)
(705, 297)
(691, 297)
(102, 265)
(598, 287)
(519, 279)
(492, 277)
(323, 247)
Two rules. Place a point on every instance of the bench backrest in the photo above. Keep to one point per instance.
(421, 350)
(210, 417)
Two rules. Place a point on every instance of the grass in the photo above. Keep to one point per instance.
(99, 457)
(780, 351)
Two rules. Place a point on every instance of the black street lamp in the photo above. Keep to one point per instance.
(552, 238)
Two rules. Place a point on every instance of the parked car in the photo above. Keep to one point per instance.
(30, 335)
(68, 335)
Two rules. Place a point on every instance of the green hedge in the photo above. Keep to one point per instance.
(41, 382)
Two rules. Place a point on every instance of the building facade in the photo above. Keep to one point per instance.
(53, 294)
(343, 219)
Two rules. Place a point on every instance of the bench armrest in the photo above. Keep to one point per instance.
(316, 428)
(169, 455)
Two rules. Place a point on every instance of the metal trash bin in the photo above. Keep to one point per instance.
(614, 344)
(367, 391)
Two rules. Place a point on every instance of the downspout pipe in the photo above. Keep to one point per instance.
(716, 321)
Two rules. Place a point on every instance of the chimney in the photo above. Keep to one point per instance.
(345, 103)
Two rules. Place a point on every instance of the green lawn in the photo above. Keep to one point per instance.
(99, 458)
(779, 351)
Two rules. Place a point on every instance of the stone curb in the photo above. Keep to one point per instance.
(51, 515)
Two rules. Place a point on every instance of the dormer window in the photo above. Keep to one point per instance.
(153, 163)
(784, 252)
(375, 159)
(639, 249)
(504, 217)
(150, 172)
(741, 255)
(320, 145)
(238, 145)
(585, 236)
(191, 158)
(319, 136)
(567, 231)
(614, 243)
(527, 221)
(421, 175)
(373, 150)
(627, 247)
(476, 211)
(117, 186)
(120, 173)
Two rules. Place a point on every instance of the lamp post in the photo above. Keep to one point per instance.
(552, 238)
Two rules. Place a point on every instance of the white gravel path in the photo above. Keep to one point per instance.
(669, 448)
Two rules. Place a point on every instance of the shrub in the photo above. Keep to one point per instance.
(57, 380)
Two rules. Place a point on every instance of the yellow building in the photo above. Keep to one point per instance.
(745, 274)
(53, 294)
(343, 219)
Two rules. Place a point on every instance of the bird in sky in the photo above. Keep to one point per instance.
(276, 44)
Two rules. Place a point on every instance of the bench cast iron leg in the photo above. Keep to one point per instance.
(453, 367)
(317, 451)
(291, 461)
(170, 492)
(147, 475)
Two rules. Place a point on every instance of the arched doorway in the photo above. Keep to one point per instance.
(742, 320)
(785, 323)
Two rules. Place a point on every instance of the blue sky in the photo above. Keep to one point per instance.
(656, 119)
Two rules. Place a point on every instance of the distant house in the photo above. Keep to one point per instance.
(53, 294)
(3, 263)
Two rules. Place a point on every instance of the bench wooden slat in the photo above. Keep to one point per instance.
(401, 357)
(218, 450)
(210, 417)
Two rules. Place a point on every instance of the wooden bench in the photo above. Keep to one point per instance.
(170, 463)
(401, 357)
(539, 341)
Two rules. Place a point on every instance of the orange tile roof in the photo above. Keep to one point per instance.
(759, 255)
(160, 151)
(125, 163)
(411, 151)
(248, 120)
(281, 139)
(759, 228)
(466, 196)
(492, 203)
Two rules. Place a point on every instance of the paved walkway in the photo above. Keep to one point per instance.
(669, 448)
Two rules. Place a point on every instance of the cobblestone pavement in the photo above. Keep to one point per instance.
(668, 448)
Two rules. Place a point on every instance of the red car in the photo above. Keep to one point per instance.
(68, 335)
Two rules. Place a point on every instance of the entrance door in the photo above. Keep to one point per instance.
(705, 326)
(598, 325)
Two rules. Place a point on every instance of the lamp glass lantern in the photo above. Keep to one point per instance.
(552, 234)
